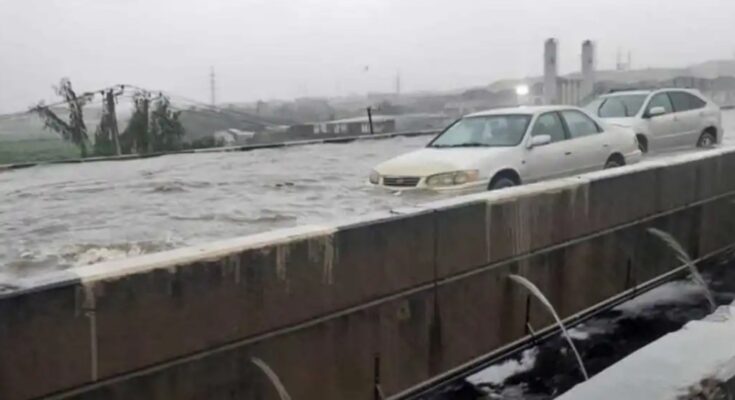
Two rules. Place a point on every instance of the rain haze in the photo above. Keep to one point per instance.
(293, 48)
(367, 199)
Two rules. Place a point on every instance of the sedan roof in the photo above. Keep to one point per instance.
(529, 110)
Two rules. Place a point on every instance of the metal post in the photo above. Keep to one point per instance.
(377, 389)
(370, 119)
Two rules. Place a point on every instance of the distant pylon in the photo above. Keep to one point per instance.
(398, 83)
(212, 86)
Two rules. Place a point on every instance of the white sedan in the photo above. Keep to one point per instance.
(507, 147)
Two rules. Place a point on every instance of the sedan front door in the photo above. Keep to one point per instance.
(550, 160)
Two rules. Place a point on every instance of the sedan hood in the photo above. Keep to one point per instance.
(430, 161)
(627, 122)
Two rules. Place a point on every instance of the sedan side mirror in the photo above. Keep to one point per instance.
(539, 140)
(656, 111)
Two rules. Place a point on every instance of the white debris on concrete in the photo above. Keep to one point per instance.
(676, 292)
(497, 374)
(668, 367)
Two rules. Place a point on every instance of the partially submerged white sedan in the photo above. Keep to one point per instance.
(507, 147)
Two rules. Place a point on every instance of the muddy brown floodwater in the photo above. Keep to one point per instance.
(57, 216)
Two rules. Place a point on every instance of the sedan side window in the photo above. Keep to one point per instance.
(661, 100)
(549, 124)
(579, 124)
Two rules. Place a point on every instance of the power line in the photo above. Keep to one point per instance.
(246, 117)
(86, 96)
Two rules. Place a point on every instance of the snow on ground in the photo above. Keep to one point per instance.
(681, 292)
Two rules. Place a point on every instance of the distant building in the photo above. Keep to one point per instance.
(347, 127)
(381, 124)
(230, 137)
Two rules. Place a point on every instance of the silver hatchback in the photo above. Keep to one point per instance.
(664, 118)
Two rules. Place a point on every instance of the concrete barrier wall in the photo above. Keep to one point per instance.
(394, 298)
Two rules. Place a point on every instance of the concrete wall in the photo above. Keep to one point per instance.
(588, 68)
(411, 293)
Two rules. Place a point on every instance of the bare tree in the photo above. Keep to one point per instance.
(75, 130)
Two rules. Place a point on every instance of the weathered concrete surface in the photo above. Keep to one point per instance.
(696, 362)
(415, 292)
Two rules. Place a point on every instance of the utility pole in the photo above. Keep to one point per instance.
(370, 119)
(147, 108)
(398, 83)
(110, 104)
(212, 86)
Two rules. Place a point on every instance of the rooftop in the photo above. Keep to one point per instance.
(376, 118)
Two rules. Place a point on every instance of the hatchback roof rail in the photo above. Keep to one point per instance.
(632, 89)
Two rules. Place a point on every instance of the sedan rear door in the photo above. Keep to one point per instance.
(588, 145)
(551, 160)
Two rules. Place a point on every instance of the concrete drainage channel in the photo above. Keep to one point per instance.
(548, 368)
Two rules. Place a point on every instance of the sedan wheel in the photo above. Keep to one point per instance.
(612, 164)
(706, 140)
(501, 183)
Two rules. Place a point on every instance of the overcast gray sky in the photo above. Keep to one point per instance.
(265, 49)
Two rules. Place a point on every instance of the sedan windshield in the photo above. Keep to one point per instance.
(484, 131)
(621, 106)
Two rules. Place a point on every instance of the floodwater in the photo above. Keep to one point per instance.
(62, 215)
(57, 216)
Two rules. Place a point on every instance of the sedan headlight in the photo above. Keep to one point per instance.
(452, 178)
(374, 177)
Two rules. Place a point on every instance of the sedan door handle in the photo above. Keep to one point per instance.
(568, 153)
(605, 145)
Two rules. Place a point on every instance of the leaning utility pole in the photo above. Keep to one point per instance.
(110, 105)
(212, 86)
(370, 119)
(398, 83)
(147, 108)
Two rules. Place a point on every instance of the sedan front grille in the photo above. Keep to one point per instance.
(401, 181)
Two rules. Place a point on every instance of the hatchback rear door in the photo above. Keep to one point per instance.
(688, 115)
